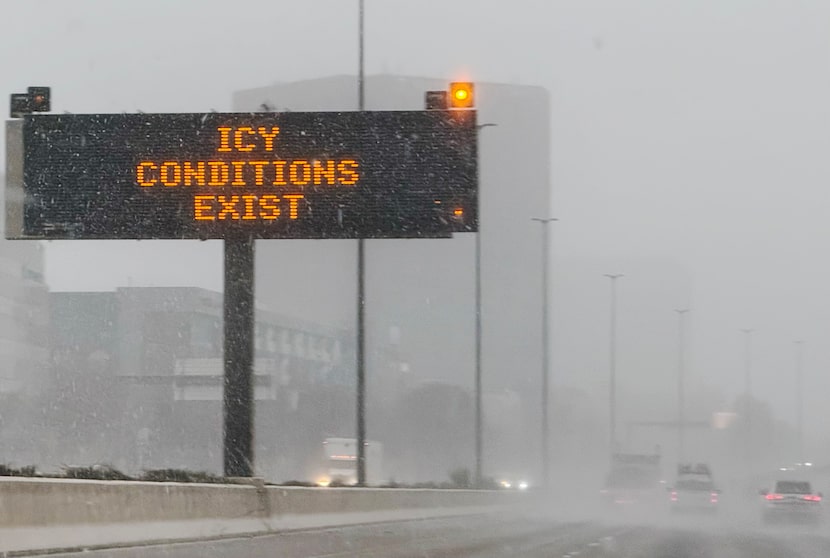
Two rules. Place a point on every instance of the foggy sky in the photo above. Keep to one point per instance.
(689, 141)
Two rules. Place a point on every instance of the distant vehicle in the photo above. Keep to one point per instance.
(340, 462)
(634, 480)
(509, 484)
(792, 501)
(694, 471)
(694, 490)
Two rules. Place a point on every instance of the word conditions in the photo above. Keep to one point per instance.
(270, 188)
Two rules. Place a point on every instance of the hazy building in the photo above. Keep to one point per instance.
(424, 289)
(24, 357)
(23, 315)
(145, 368)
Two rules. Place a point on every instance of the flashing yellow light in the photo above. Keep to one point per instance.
(324, 482)
(458, 212)
(39, 99)
(461, 94)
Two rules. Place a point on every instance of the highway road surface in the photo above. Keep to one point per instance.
(519, 535)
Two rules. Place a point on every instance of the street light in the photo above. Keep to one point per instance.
(360, 341)
(461, 96)
(612, 364)
(681, 396)
(799, 397)
(545, 221)
(748, 392)
(479, 419)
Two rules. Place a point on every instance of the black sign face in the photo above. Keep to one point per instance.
(269, 175)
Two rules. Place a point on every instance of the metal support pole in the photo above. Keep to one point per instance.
(545, 361)
(479, 412)
(681, 388)
(799, 398)
(748, 390)
(479, 435)
(361, 293)
(361, 366)
(239, 356)
(612, 366)
(361, 102)
(545, 430)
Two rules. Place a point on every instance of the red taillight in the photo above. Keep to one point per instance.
(812, 498)
(713, 498)
(674, 496)
(774, 497)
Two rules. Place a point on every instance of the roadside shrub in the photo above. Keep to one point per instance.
(180, 475)
(306, 484)
(9, 471)
(95, 472)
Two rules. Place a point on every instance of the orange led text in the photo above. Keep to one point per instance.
(246, 207)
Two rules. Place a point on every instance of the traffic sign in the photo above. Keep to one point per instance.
(374, 174)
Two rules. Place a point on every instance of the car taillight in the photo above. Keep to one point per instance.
(812, 498)
(713, 498)
(774, 497)
(674, 496)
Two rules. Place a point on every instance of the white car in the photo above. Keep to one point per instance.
(792, 501)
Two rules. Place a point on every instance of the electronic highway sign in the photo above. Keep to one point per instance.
(374, 174)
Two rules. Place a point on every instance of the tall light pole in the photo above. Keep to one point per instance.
(748, 393)
(479, 418)
(612, 365)
(361, 293)
(799, 398)
(545, 431)
(681, 391)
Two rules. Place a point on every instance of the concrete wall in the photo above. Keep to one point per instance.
(347, 500)
(52, 502)
(30, 502)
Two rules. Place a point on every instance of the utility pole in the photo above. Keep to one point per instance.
(681, 394)
(361, 292)
(545, 430)
(612, 366)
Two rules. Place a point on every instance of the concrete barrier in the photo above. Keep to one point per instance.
(346, 500)
(38, 502)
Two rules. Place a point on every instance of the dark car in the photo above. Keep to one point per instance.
(632, 486)
(792, 501)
